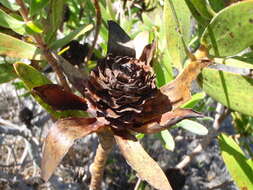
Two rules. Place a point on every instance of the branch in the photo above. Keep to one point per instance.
(97, 167)
(219, 117)
(99, 21)
(46, 52)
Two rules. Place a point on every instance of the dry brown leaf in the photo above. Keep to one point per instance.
(61, 137)
(178, 90)
(142, 163)
(148, 53)
(59, 99)
(166, 120)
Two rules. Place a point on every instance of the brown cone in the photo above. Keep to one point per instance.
(119, 87)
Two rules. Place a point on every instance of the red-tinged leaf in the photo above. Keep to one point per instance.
(61, 137)
(166, 120)
(178, 90)
(59, 99)
(143, 164)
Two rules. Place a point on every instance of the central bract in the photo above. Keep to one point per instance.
(119, 87)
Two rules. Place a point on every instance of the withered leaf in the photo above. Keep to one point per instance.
(119, 43)
(142, 163)
(61, 137)
(58, 98)
(166, 120)
(178, 90)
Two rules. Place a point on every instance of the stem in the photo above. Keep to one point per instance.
(97, 169)
(47, 54)
(99, 21)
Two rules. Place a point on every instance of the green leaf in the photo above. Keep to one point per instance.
(168, 139)
(13, 47)
(163, 69)
(217, 5)
(194, 100)
(239, 167)
(202, 22)
(36, 6)
(10, 22)
(109, 8)
(231, 29)
(106, 15)
(7, 73)
(73, 35)
(201, 7)
(162, 64)
(193, 127)
(33, 78)
(139, 135)
(231, 89)
(174, 41)
(33, 28)
(55, 18)
(10, 5)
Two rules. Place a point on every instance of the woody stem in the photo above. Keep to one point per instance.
(43, 46)
(97, 169)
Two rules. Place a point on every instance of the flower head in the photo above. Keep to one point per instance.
(120, 94)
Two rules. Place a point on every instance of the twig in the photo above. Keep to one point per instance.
(13, 153)
(103, 150)
(8, 155)
(219, 117)
(13, 165)
(99, 21)
(221, 186)
(137, 185)
(46, 52)
(23, 10)
(12, 129)
(24, 155)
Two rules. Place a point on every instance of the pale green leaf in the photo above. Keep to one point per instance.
(12, 23)
(194, 100)
(193, 127)
(174, 41)
(239, 167)
(13, 47)
(10, 4)
(233, 90)
(168, 139)
(231, 29)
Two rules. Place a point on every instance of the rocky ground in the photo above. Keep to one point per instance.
(20, 155)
